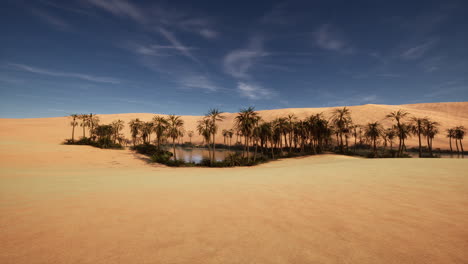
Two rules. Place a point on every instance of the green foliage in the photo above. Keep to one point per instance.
(104, 143)
(162, 156)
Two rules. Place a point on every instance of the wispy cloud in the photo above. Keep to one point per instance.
(121, 8)
(158, 16)
(208, 33)
(177, 44)
(238, 63)
(154, 50)
(327, 37)
(253, 91)
(81, 76)
(52, 20)
(418, 51)
(277, 15)
(199, 82)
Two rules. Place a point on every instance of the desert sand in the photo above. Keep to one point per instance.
(79, 204)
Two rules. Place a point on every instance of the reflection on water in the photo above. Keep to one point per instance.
(196, 155)
(441, 155)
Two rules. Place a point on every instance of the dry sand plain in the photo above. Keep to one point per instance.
(78, 204)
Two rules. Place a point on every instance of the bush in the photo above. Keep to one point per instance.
(104, 143)
(162, 157)
(146, 149)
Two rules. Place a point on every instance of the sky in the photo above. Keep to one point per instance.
(185, 57)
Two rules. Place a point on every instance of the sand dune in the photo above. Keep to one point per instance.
(57, 128)
(79, 204)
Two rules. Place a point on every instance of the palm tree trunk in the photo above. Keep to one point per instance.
(73, 134)
(399, 145)
(375, 146)
(450, 142)
(214, 148)
(355, 142)
(255, 155)
(420, 150)
(461, 146)
(429, 146)
(456, 144)
(173, 149)
(248, 151)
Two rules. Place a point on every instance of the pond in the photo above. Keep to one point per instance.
(442, 155)
(196, 155)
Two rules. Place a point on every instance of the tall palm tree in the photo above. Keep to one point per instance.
(93, 121)
(341, 118)
(245, 121)
(204, 128)
(135, 126)
(373, 131)
(225, 135)
(459, 135)
(417, 129)
(84, 122)
(390, 134)
(398, 117)
(117, 126)
(450, 135)
(290, 121)
(73, 123)
(159, 127)
(146, 129)
(230, 133)
(430, 129)
(215, 115)
(175, 125)
(190, 135)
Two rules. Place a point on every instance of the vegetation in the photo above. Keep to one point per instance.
(458, 134)
(259, 140)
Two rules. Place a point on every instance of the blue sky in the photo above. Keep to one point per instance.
(184, 57)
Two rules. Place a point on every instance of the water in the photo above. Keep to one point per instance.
(442, 155)
(196, 155)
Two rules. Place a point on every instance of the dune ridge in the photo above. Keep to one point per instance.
(56, 129)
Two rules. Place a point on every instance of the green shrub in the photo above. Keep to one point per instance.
(104, 143)
(162, 157)
(147, 149)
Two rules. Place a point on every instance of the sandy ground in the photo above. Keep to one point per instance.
(78, 204)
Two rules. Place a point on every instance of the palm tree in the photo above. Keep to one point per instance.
(204, 128)
(225, 135)
(245, 121)
(405, 132)
(84, 122)
(341, 118)
(117, 126)
(390, 135)
(290, 121)
(430, 129)
(93, 121)
(73, 123)
(146, 129)
(215, 115)
(417, 129)
(373, 131)
(175, 125)
(398, 116)
(135, 126)
(190, 135)
(159, 127)
(230, 133)
(450, 135)
(459, 135)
